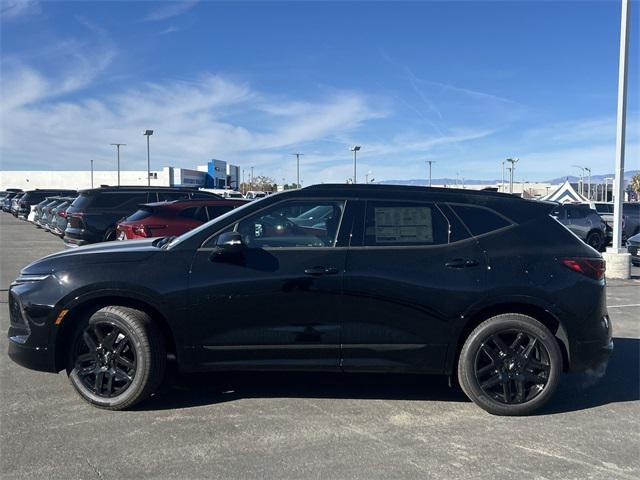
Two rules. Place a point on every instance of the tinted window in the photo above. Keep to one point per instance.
(479, 220)
(169, 196)
(140, 214)
(277, 227)
(217, 210)
(576, 212)
(195, 213)
(116, 199)
(203, 196)
(457, 230)
(404, 223)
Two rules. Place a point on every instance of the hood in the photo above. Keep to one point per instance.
(107, 252)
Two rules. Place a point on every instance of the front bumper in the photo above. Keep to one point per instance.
(35, 358)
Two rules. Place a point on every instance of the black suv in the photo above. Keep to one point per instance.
(33, 197)
(93, 215)
(481, 286)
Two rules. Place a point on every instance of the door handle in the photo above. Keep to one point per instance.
(317, 271)
(461, 263)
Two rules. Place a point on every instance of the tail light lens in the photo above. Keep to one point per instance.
(591, 267)
(62, 213)
(140, 230)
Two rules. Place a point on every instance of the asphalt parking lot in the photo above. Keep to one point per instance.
(315, 426)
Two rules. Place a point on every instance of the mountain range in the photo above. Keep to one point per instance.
(468, 181)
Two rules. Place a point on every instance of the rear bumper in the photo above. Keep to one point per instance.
(591, 356)
(74, 242)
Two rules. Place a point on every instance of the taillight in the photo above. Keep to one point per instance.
(591, 267)
(62, 213)
(140, 230)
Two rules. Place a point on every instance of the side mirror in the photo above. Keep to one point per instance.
(229, 243)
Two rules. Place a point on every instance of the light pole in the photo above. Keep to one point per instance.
(366, 177)
(251, 184)
(91, 173)
(503, 175)
(148, 133)
(618, 185)
(581, 181)
(355, 149)
(298, 168)
(513, 162)
(118, 145)
(430, 162)
(589, 184)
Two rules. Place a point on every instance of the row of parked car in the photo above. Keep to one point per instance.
(125, 213)
(122, 213)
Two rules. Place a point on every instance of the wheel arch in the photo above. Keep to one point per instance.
(87, 307)
(538, 312)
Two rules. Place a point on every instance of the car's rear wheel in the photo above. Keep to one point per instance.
(510, 365)
(595, 240)
(117, 358)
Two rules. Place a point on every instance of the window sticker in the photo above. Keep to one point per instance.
(403, 225)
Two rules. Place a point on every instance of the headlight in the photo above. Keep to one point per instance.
(29, 278)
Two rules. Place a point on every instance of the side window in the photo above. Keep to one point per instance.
(110, 199)
(170, 196)
(404, 224)
(479, 220)
(281, 227)
(576, 212)
(457, 230)
(196, 213)
(217, 210)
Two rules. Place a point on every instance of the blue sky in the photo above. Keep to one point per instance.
(463, 84)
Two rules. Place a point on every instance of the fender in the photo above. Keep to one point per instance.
(502, 304)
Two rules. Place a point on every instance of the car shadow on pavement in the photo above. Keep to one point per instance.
(621, 383)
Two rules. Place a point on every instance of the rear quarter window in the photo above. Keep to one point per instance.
(480, 220)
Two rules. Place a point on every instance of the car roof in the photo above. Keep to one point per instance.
(196, 202)
(129, 188)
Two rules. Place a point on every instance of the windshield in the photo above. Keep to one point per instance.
(205, 226)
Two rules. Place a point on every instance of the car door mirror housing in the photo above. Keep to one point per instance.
(230, 242)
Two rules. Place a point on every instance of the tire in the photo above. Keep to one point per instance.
(117, 358)
(519, 376)
(595, 240)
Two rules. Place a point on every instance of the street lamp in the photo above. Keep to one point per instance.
(148, 133)
(581, 182)
(298, 168)
(366, 177)
(513, 162)
(430, 162)
(589, 186)
(355, 149)
(118, 145)
(91, 173)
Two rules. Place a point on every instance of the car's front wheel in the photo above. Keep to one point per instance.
(117, 358)
(510, 365)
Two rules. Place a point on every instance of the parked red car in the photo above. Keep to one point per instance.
(163, 219)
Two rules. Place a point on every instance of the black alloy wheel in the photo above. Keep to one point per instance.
(512, 366)
(105, 359)
(595, 240)
(117, 357)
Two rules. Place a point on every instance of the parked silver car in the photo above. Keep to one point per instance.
(585, 222)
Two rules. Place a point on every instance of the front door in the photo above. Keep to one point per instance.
(275, 304)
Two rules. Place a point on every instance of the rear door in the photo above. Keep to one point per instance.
(411, 272)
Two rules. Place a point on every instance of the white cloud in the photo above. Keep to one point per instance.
(170, 10)
(11, 9)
